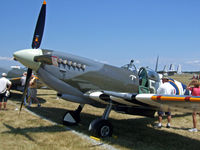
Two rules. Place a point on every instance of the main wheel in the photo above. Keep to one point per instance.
(71, 118)
(102, 128)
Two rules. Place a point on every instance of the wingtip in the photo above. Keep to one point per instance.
(44, 2)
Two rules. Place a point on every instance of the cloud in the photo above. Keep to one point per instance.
(193, 62)
(6, 58)
(137, 62)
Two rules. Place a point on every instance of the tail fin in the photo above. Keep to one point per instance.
(156, 68)
(179, 70)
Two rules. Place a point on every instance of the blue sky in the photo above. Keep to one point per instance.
(111, 31)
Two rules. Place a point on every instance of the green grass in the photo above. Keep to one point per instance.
(130, 132)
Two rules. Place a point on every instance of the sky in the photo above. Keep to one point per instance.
(109, 31)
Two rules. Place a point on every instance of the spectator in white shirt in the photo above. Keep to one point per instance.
(165, 89)
(5, 86)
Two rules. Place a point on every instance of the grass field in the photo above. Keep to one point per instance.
(130, 132)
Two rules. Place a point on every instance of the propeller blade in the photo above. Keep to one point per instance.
(29, 74)
(39, 29)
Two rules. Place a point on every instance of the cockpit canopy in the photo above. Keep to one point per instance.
(149, 80)
(130, 67)
(152, 75)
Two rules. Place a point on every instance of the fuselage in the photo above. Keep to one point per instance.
(79, 74)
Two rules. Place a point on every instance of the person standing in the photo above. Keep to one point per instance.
(194, 87)
(165, 89)
(23, 81)
(33, 90)
(5, 86)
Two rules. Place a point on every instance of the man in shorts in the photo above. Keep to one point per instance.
(33, 91)
(165, 89)
(160, 116)
(5, 86)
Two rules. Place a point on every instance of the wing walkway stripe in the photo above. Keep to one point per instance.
(175, 99)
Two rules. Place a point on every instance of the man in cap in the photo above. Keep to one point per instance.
(165, 89)
(5, 86)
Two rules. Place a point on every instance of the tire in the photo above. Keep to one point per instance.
(102, 128)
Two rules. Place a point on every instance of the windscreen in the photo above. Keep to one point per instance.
(149, 78)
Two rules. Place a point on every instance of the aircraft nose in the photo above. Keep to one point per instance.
(26, 57)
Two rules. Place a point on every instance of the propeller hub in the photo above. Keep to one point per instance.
(26, 57)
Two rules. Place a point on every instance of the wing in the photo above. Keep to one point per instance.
(16, 84)
(182, 103)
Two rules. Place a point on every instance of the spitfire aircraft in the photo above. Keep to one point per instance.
(85, 81)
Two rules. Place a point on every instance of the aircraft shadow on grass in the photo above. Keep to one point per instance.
(131, 132)
(25, 131)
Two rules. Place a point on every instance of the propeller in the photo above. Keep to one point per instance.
(29, 74)
(37, 38)
(39, 29)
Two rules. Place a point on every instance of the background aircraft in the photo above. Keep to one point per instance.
(14, 74)
(171, 70)
(85, 81)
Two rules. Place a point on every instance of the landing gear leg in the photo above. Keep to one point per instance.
(101, 127)
(73, 117)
